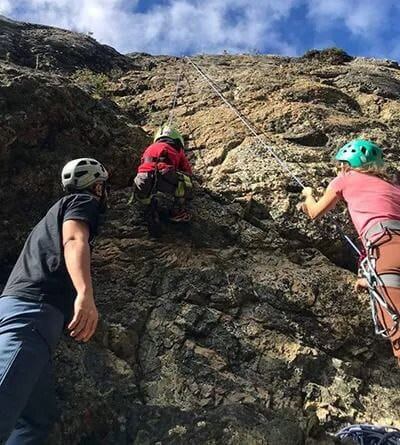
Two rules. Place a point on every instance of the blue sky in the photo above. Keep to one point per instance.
(287, 27)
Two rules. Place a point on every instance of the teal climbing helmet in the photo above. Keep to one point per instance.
(360, 153)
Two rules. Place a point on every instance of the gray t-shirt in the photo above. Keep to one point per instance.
(40, 272)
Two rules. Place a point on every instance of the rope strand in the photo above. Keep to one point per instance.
(174, 100)
(244, 120)
(375, 297)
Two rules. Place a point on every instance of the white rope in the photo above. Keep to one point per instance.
(245, 121)
(375, 296)
(348, 239)
(282, 163)
(174, 100)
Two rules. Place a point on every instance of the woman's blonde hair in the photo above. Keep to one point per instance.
(375, 170)
(378, 171)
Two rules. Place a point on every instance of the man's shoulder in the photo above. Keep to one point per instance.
(73, 200)
(80, 197)
(77, 198)
(82, 207)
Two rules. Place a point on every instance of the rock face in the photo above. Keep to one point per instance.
(53, 49)
(45, 121)
(241, 328)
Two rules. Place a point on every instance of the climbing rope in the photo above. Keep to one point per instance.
(366, 266)
(245, 121)
(252, 129)
(174, 99)
(352, 244)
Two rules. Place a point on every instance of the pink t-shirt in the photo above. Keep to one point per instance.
(369, 199)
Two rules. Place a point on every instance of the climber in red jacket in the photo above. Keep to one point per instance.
(165, 168)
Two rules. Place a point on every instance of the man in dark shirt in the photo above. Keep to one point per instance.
(49, 287)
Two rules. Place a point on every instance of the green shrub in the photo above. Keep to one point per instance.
(95, 83)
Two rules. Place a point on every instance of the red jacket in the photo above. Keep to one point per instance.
(162, 155)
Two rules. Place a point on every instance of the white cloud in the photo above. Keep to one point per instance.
(207, 26)
(5, 7)
(369, 22)
(362, 18)
(173, 27)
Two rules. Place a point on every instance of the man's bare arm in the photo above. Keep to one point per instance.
(75, 238)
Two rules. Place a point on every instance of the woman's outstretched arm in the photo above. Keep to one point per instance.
(314, 209)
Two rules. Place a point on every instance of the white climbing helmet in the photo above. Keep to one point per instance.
(81, 173)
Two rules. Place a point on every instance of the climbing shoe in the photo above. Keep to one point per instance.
(180, 216)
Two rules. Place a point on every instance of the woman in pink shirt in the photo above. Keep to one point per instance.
(373, 201)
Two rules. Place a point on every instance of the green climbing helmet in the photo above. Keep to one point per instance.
(166, 131)
(360, 153)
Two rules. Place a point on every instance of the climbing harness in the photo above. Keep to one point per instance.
(148, 199)
(184, 183)
(368, 271)
(392, 224)
(365, 434)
